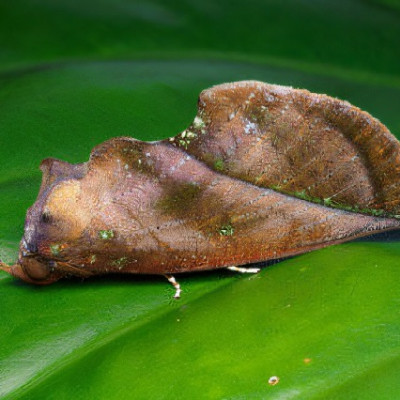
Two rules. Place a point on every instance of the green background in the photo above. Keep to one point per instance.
(74, 73)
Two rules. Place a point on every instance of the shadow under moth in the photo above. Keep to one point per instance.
(263, 172)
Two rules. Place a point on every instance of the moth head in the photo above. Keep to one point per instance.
(57, 216)
(54, 219)
(30, 269)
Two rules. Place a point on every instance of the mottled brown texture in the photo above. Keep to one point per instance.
(295, 140)
(203, 199)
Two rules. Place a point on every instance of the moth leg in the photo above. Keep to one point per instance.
(176, 285)
(244, 270)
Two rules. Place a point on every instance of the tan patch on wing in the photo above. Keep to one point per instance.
(64, 204)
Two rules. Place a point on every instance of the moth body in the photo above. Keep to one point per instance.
(257, 176)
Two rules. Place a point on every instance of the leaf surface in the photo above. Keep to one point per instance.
(120, 338)
(336, 306)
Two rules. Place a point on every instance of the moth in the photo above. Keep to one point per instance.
(263, 172)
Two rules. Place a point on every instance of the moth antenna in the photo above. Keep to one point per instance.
(5, 267)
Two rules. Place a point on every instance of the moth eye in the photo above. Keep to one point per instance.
(45, 217)
(35, 269)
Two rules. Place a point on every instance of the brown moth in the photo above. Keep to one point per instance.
(263, 172)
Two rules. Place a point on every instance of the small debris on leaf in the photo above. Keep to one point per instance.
(274, 380)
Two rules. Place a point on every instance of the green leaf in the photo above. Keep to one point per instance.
(111, 337)
(326, 323)
(360, 36)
